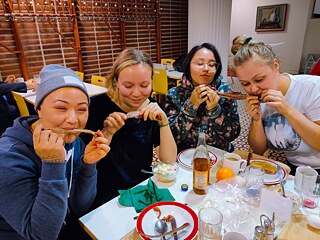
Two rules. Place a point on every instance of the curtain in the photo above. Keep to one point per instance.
(209, 21)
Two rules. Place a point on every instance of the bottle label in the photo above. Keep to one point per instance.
(201, 179)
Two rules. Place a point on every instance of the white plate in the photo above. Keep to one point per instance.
(181, 212)
(185, 158)
(271, 178)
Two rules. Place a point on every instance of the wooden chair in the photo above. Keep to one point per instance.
(98, 80)
(159, 83)
(80, 74)
(167, 61)
(22, 106)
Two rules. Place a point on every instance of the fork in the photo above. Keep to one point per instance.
(280, 175)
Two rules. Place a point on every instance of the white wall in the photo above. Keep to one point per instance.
(312, 37)
(243, 20)
(209, 21)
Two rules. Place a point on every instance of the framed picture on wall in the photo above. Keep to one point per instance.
(316, 9)
(271, 18)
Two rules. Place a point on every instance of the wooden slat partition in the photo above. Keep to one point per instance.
(174, 28)
(88, 35)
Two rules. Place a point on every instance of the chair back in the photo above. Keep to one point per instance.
(99, 81)
(80, 74)
(167, 61)
(22, 106)
(160, 81)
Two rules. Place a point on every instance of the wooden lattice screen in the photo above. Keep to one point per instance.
(87, 35)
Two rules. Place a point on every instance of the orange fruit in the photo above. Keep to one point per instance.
(224, 173)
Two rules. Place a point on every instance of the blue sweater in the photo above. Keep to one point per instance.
(34, 194)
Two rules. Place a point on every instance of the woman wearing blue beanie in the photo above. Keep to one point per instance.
(47, 176)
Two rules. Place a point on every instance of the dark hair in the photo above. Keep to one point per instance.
(193, 51)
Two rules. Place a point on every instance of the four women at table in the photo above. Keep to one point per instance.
(49, 179)
(195, 105)
(284, 108)
(132, 139)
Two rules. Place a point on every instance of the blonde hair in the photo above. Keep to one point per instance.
(126, 58)
(238, 43)
(245, 50)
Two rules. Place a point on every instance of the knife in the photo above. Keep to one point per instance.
(279, 171)
(249, 158)
(183, 226)
(174, 226)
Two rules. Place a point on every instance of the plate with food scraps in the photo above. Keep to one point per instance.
(185, 158)
(270, 168)
(163, 210)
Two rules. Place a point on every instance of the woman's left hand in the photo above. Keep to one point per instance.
(155, 113)
(212, 100)
(96, 149)
(10, 79)
(275, 99)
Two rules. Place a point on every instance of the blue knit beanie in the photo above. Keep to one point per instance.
(54, 77)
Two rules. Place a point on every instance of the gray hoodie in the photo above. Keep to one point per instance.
(34, 194)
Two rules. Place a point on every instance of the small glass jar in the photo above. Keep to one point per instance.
(259, 233)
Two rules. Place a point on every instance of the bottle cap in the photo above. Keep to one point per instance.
(184, 187)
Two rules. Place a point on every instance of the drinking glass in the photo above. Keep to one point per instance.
(210, 224)
(310, 190)
(254, 181)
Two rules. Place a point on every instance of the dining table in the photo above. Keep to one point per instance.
(93, 90)
(171, 73)
(113, 221)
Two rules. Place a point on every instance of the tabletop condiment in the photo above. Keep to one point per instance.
(184, 187)
(259, 233)
(201, 166)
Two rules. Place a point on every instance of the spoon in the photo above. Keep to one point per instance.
(183, 226)
(145, 171)
(280, 175)
(161, 227)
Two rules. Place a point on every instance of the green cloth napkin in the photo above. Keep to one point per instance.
(141, 197)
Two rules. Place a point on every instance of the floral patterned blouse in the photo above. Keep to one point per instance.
(220, 124)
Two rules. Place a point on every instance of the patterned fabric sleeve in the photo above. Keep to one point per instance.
(225, 118)
(220, 124)
(180, 117)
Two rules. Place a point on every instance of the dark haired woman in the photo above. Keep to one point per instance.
(195, 105)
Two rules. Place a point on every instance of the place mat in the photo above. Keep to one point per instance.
(298, 229)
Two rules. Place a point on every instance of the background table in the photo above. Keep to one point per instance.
(93, 90)
(171, 73)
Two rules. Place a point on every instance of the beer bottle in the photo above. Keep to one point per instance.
(201, 166)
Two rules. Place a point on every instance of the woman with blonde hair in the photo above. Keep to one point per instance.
(133, 122)
(289, 103)
(238, 42)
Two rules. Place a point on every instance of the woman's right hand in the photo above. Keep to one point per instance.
(48, 145)
(31, 85)
(199, 95)
(113, 123)
(253, 107)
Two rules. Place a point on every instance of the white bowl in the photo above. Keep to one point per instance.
(165, 172)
